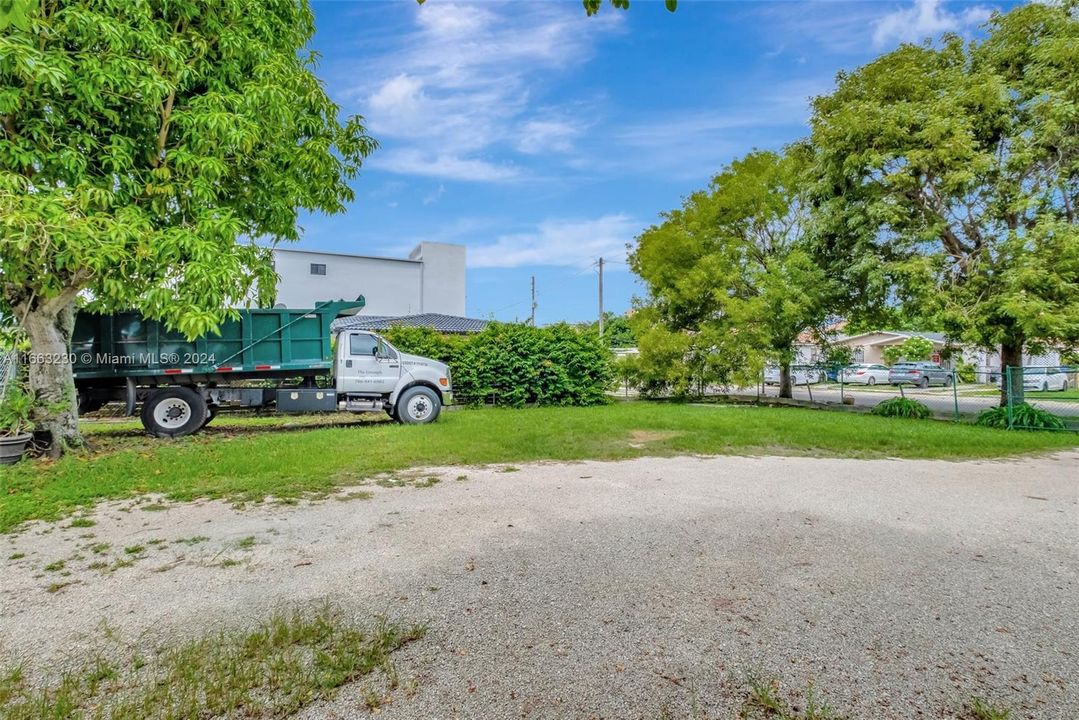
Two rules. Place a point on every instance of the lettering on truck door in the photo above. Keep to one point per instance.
(368, 368)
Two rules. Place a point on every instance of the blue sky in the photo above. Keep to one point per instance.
(543, 139)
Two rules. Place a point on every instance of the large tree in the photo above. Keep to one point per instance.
(732, 265)
(145, 145)
(949, 182)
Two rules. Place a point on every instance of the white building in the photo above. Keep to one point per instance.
(430, 280)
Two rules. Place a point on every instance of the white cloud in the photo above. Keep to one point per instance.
(463, 84)
(926, 19)
(575, 243)
(546, 136)
(446, 166)
(436, 195)
(851, 27)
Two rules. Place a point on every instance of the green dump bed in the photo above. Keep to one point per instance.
(260, 343)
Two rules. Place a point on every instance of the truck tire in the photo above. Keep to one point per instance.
(418, 405)
(174, 412)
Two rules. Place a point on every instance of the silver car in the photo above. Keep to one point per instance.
(799, 376)
(921, 374)
(864, 374)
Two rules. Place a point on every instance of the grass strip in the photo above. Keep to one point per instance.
(272, 671)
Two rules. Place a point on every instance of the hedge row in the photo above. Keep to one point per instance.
(516, 365)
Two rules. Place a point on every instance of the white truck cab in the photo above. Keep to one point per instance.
(370, 373)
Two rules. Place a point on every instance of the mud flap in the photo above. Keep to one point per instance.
(131, 396)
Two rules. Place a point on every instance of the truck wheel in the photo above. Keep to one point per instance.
(173, 412)
(418, 405)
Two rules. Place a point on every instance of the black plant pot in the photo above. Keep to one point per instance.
(13, 447)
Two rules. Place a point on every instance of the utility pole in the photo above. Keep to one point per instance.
(533, 320)
(601, 297)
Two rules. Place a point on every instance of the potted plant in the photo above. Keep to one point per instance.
(15, 424)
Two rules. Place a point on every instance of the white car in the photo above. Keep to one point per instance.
(864, 374)
(799, 376)
(1045, 378)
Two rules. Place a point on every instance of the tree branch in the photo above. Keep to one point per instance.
(163, 133)
(65, 297)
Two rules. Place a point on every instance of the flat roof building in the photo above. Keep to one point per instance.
(430, 280)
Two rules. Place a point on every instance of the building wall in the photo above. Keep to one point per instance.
(443, 277)
(989, 360)
(432, 279)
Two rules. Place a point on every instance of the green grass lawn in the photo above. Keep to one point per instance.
(274, 670)
(252, 458)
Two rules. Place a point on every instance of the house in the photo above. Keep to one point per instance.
(430, 280)
(808, 349)
(868, 347)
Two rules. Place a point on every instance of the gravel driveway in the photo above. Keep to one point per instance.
(899, 589)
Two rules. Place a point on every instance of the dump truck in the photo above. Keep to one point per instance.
(284, 360)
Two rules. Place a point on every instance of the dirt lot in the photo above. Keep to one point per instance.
(614, 590)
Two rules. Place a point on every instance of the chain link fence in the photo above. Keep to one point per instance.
(9, 368)
(1052, 389)
(960, 393)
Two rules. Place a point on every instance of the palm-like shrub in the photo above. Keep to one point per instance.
(903, 408)
(1024, 417)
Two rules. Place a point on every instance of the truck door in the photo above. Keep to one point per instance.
(367, 365)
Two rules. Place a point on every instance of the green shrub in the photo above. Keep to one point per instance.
(627, 372)
(426, 342)
(967, 372)
(1024, 417)
(516, 365)
(16, 408)
(912, 349)
(903, 408)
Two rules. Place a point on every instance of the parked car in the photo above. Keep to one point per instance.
(1045, 378)
(864, 374)
(922, 374)
(799, 376)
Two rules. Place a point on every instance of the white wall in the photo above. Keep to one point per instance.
(443, 285)
(431, 280)
(989, 360)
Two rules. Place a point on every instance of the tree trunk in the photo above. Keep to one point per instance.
(1011, 368)
(786, 388)
(48, 326)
